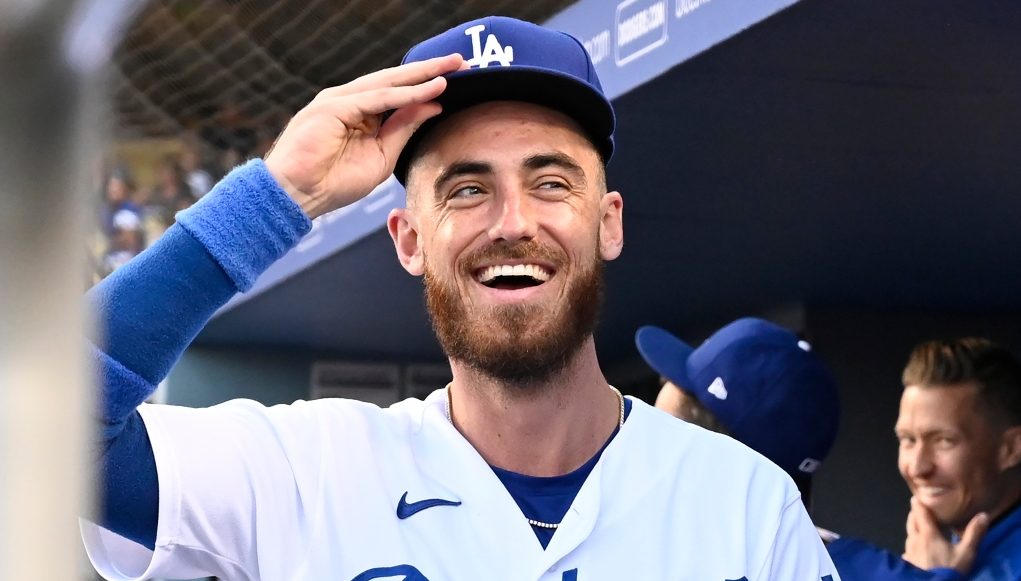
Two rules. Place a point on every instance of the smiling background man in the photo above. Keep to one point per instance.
(528, 465)
(959, 430)
(959, 434)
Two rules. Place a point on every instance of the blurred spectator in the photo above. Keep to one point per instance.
(126, 241)
(198, 179)
(172, 193)
(118, 192)
(130, 218)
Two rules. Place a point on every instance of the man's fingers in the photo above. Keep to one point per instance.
(352, 110)
(966, 549)
(399, 76)
(910, 525)
(977, 527)
(924, 519)
(398, 129)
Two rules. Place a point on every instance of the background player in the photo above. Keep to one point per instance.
(959, 433)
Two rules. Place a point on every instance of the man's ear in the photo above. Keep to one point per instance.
(611, 225)
(1010, 448)
(402, 229)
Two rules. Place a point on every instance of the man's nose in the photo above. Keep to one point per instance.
(514, 218)
(919, 462)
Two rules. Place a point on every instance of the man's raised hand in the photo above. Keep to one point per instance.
(338, 148)
(927, 548)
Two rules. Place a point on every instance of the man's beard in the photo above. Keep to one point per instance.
(515, 344)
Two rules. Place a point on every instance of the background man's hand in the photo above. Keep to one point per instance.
(338, 149)
(926, 547)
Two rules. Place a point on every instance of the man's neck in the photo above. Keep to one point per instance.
(544, 429)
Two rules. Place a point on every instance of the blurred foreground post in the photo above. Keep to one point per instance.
(52, 56)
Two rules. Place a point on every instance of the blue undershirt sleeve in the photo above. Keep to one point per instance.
(149, 310)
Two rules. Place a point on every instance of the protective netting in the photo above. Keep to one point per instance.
(199, 85)
(232, 71)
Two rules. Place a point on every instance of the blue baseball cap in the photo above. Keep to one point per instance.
(513, 60)
(762, 382)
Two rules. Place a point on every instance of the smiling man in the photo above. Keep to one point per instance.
(959, 430)
(529, 465)
(959, 434)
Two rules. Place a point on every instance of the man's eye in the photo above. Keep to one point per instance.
(466, 192)
(552, 185)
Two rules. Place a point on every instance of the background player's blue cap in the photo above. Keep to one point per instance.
(513, 60)
(761, 382)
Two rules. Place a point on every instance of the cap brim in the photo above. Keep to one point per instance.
(665, 353)
(560, 92)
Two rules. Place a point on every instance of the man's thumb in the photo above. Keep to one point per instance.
(967, 547)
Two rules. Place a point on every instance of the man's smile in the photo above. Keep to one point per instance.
(513, 276)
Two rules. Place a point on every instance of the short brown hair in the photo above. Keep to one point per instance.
(991, 367)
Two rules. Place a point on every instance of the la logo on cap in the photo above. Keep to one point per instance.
(494, 52)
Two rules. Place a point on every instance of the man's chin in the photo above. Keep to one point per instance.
(948, 516)
(523, 343)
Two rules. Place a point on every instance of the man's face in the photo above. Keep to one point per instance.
(509, 221)
(949, 453)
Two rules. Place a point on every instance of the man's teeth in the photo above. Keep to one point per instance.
(531, 270)
(932, 490)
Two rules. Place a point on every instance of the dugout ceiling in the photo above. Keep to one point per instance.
(841, 154)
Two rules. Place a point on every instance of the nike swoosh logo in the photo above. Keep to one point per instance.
(406, 509)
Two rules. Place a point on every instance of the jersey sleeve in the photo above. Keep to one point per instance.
(239, 487)
(857, 560)
(797, 553)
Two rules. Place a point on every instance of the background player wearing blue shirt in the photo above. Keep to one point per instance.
(761, 384)
(528, 465)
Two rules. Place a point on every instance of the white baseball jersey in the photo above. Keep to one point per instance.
(337, 490)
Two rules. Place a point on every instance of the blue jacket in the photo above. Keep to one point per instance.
(998, 559)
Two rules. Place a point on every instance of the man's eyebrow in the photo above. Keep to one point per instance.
(557, 159)
(460, 168)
